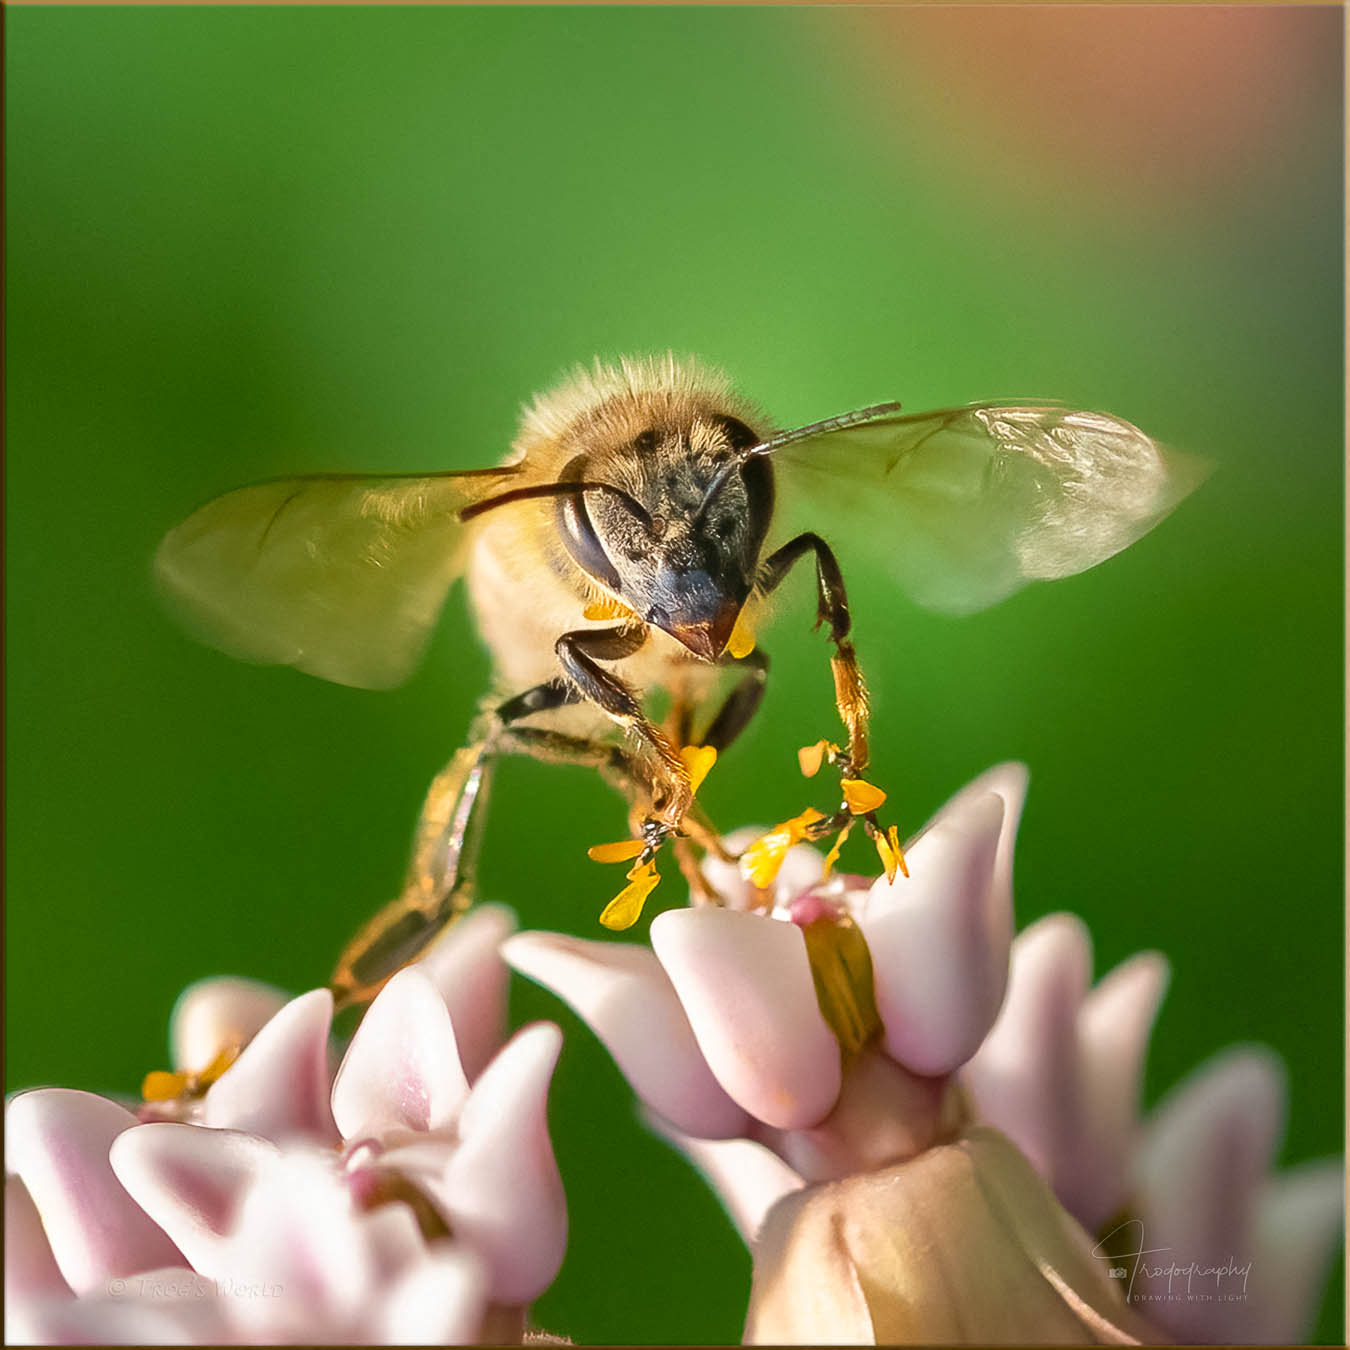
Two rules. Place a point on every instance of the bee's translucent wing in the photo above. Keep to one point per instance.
(965, 505)
(342, 576)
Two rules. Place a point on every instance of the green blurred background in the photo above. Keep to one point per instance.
(245, 242)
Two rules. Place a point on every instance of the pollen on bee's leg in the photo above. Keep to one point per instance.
(620, 851)
(698, 760)
(860, 796)
(832, 856)
(811, 757)
(760, 862)
(889, 851)
(626, 907)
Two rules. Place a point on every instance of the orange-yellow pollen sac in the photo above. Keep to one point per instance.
(891, 854)
(621, 851)
(760, 862)
(832, 856)
(698, 759)
(606, 609)
(861, 797)
(742, 640)
(811, 757)
(162, 1086)
(626, 907)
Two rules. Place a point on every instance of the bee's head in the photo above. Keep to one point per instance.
(678, 535)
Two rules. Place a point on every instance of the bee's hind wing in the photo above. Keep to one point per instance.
(965, 505)
(341, 575)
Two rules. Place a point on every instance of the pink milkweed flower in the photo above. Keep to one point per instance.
(411, 1196)
(852, 1145)
(1190, 1186)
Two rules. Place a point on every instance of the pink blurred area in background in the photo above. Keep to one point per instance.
(1106, 109)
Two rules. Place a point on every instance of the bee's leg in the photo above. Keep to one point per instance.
(613, 762)
(542, 698)
(850, 693)
(438, 887)
(579, 654)
(701, 892)
(741, 704)
(732, 717)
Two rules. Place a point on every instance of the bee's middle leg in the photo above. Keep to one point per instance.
(736, 712)
(741, 704)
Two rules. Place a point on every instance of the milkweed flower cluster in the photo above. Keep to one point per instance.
(411, 1196)
(974, 1169)
(925, 1129)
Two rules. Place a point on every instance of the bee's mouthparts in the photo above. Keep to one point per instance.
(708, 637)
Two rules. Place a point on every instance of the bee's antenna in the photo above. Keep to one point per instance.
(840, 423)
(571, 488)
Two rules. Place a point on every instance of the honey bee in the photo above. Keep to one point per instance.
(624, 554)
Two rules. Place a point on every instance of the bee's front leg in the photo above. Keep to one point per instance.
(850, 691)
(861, 799)
(580, 653)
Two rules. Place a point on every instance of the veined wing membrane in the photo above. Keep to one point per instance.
(339, 575)
(965, 505)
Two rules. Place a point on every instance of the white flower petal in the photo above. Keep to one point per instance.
(1114, 1024)
(191, 1181)
(171, 1306)
(439, 1301)
(1200, 1167)
(1009, 780)
(939, 939)
(57, 1142)
(1300, 1216)
(278, 1087)
(504, 1192)
(31, 1271)
(212, 1014)
(748, 1178)
(402, 1069)
(745, 984)
(466, 966)
(627, 1000)
(1025, 1078)
(393, 1239)
(299, 1251)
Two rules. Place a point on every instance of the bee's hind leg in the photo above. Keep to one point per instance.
(439, 882)
(438, 885)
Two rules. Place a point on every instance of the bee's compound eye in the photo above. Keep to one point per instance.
(739, 436)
